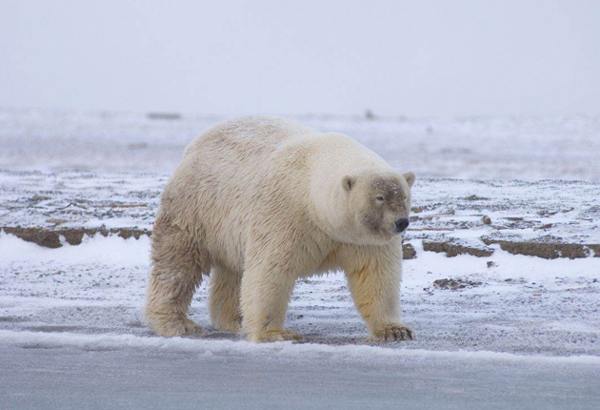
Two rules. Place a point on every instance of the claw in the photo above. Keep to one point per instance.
(393, 332)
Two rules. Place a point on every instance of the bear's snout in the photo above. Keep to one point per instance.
(401, 224)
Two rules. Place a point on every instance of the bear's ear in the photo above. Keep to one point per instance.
(410, 178)
(348, 182)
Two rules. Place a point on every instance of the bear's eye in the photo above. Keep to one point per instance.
(379, 198)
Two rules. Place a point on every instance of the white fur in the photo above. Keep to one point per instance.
(262, 202)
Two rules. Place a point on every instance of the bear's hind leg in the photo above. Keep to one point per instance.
(224, 299)
(178, 266)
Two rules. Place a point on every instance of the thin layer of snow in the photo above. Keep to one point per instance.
(524, 305)
(443, 208)
(97, 249)
(469, 147)
(506, 265)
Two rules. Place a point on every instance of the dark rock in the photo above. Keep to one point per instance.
(408, 251)
(475, 198)
(454, 284)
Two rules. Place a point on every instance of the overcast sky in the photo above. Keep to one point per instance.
(440, 58)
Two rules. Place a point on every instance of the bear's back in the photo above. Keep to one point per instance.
(221, 179)
(253, 138)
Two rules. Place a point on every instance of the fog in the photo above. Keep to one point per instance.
(425, 58)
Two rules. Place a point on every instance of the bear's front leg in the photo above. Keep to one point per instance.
(375, 287)
(265, 294)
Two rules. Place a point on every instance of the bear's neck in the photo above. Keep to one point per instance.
(329, 206)
(332, 158)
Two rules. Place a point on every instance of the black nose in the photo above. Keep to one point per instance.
(401, 224)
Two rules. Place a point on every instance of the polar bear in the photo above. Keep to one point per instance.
(261, 202)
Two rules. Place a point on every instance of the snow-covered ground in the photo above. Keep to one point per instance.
(524, 305)
(523, 335)
(511, 329)
(525, 148)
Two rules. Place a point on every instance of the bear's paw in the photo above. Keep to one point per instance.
(392, 332)
(180, 327)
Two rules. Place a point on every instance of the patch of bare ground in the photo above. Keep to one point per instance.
(547, 250)
(51, 238)
(452, 248)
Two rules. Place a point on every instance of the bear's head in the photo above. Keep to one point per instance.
(378, 205)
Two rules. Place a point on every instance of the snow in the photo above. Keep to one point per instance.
(272, 351)
(506, 265)
(465, 147)
(97, 288)
(444, 208)
(93, 250)
(519, 324)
